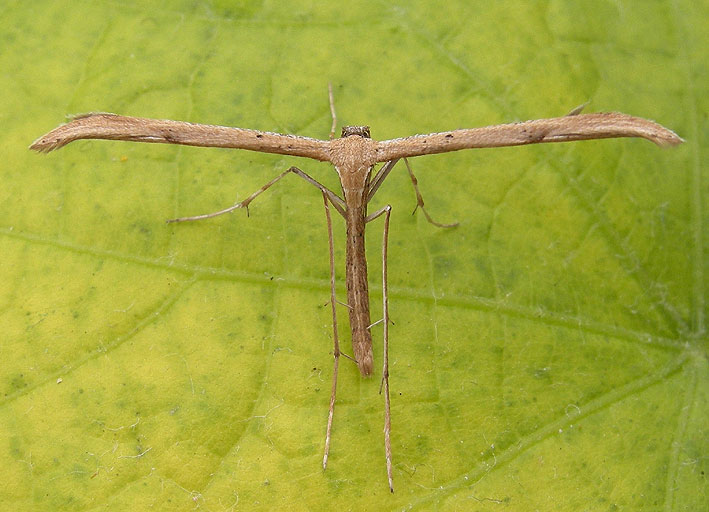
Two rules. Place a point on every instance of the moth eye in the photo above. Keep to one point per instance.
(362, 131)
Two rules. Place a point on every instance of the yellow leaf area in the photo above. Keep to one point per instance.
(549, 353)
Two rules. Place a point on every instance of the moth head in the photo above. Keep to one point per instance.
(362, 131)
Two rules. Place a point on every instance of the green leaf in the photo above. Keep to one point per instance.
(549, 353)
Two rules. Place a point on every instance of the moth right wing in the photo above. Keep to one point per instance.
(557, 129)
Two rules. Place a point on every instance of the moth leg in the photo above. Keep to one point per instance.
(386, 211)
(382, 174)
(338, 203)
(379, 178)
(336, 341)
(419, 200)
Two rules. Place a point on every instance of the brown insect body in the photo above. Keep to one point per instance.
(355, 183)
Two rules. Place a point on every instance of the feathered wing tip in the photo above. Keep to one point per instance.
(46, 143)
(650, 130)
(62, 134)
(667, 138)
